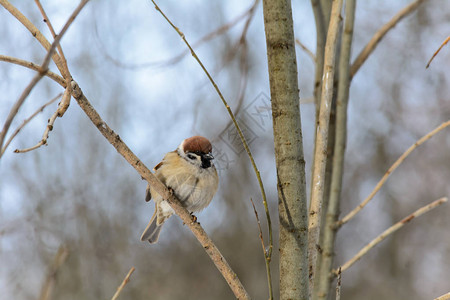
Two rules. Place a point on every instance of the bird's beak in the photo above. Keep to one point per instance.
(208, 156)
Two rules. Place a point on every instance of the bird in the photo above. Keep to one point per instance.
(189, 172)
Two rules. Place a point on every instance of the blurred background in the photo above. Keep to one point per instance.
(134, 68)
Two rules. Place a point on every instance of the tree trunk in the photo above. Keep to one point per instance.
(288, 149)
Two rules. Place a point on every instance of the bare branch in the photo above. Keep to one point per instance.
(34, 67)
(122, 285)
(58, 261)
(33, 30)
(177, 58)
(43, 69)
(332, 211)
(321, 33)
(266, 257)
(389, 231)
(389, 171)
(66, 73)
(320, 149)
(230, 112)
(371, 45)
(115, 140)
(49, 126)
(338, 284)
(17, 105)
(25, 122)
(437, 51)
(309, 52)
(443, 297)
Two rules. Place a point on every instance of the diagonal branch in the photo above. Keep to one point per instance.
(372, 44)
(443, 297)
(49, 126)
(66, 73)
(437, 51)
(241, 135)
(207, 244)
(389, 172)
(389, 231)
(58, 261)
(42, 70)
(122, 285)
(33, 30)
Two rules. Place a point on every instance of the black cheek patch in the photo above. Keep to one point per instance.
(206, 163)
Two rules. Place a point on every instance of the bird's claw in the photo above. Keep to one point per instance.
(194, 218)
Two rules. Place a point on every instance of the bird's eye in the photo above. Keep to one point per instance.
(192, 156)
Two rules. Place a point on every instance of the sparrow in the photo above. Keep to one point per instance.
(190, 173)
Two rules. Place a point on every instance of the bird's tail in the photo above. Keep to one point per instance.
(151, 233)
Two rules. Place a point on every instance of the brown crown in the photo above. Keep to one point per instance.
(196, 144)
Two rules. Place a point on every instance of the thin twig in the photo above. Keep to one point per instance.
(437, 51)
(177, 58)
(48, 128)
(309, 52)
(17, 105)
(34, 31)
(320, 155)
(58, 261)
(207, 244)
(266, 258)
(47, 21)
(42, 71)
(230, 112)
(124, 282)
(371, 45)
(65, 102)
(389, 171)
(25, 122)
(389, 231)
(35, 67)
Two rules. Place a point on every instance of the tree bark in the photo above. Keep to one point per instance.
(290, 163)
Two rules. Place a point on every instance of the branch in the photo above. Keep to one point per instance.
(177, 58)
(27, 64)
(25, 122)
(124, 282)
(49, 126)
(230, 112)
(66, 73)
(310, 54)
(266, 257)
(370, 47)
(329, 230)
(65, 102)
(389, 231)
(320, 149)
(33, 30)
(389, 171)
(321, 34)
(443, 297)
(58, 261)
(437, 51)
(115, 140)
(42, 70)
